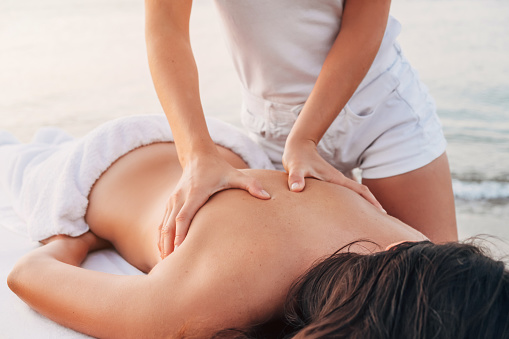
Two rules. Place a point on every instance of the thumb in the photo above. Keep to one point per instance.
(296, 181)
(250, 184)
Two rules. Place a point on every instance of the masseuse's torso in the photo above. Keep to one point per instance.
(278, 47)
(241, 254)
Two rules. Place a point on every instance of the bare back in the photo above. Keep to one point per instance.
(241, 254)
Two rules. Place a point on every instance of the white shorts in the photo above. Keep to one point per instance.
(388, 127)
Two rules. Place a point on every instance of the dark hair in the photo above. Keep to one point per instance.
(414, 290)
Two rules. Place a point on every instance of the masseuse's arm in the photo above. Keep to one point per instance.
(362, 30)
(175, 77)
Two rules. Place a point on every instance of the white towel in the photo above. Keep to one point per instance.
(49, 180)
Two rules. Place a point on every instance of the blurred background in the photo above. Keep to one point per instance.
(78, 63)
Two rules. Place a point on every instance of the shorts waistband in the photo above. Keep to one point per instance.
(269, 110)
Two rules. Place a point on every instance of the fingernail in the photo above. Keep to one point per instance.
(265, 194)
(384, 211)
(295, 186)
(176, 246)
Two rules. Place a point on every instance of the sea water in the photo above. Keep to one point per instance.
(461, 49)
(75, 64)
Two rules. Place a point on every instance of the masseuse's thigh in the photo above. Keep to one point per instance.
(422, 198)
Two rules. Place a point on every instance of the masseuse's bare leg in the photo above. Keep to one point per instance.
(422, 198)
(127, 203)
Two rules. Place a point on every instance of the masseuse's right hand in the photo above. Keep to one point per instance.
(201, 178)
(175, 77)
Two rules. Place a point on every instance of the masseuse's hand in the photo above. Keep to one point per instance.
(201, 178)
(301, 160)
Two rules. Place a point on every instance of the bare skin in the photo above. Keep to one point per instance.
(350, 57)
(175, 78)
(428, 206)
(235, 268)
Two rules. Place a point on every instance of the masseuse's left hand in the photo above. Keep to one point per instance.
(301, 160)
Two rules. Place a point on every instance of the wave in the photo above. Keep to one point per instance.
(480, 190)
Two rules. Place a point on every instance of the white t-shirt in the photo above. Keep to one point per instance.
(279, 46)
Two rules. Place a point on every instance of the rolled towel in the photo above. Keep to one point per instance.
(49, 180)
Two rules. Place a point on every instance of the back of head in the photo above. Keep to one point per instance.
(414, 290)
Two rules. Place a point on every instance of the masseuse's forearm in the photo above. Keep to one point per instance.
(362, 30)
(175, 75)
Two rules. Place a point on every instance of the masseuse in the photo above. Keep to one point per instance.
(326, 89)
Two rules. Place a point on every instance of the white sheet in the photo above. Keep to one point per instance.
(17, 320)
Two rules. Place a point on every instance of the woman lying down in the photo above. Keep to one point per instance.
(308, 265)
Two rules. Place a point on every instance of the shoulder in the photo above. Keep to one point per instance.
(208, 290)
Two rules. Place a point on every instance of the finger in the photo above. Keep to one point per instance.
(168, 234)
(296, 181)
(163, 222)
(159, 241)
(363, 190)
(166, 221)
(184, 217)
(250, 184)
